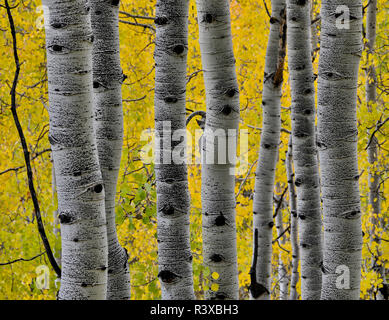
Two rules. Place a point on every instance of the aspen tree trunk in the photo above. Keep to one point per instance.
(218, 176)
(270, 139)
(341, 49)
(173, 199)
(293, 295)
(78, 177)
(304, 146)
(108, 116)
(371, 91)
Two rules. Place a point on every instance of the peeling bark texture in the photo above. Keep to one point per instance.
(218, 179)
(283, 280)
(270, 139)
(108, 123)
(173, 199)
(340, 54)
(304, 146)
(78, 177)
(293, 295)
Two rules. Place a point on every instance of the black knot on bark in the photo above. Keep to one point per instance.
(161, 21)
(302, 217)
(255, 212)
(75, 240)
(301, 2)
(97, 13)
(103, 268)
(220, 220)
(307, 91)
(190, 258)
(167, 276)
(273, 20)
(320, 144)
(216, 258)
(267, 146)
(57, 48)
(64, 218)
(96, 84)
(221, 296)
(303, 245)
(294, 213)
(179, 49)
(115, 2)
(170, 100)
(293, 19)
(271, 224)
(298, 182)
(98, 188)
(226, 110)
(208, 18)
(307, 112)
(77, 173)
(84, 285)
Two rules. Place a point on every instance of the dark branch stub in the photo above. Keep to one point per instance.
(26, 153)
(256, 289)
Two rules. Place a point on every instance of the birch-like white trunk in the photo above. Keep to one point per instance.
(304, 146)
(108, 116)
(283, 279)
(341, 49)
(268, 151)
(293, 295)
(173, 199)
(218, 179)
(78, 177)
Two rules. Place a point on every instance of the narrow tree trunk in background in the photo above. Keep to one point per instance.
(341, 49)
(270, 139)
(293, 295)
(218, 179)
(371, 91)
(108, 116)
(304, 146)
(283, 280)
(173, 199)
(372, 150)
(79, 181)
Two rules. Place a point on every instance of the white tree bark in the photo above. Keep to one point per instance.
(108, 116)
(293, 295)
(283, 279)
(173, 199)
(218, 180)
(341, 49)
(78, 177)
(270, 139)
(304, 146)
